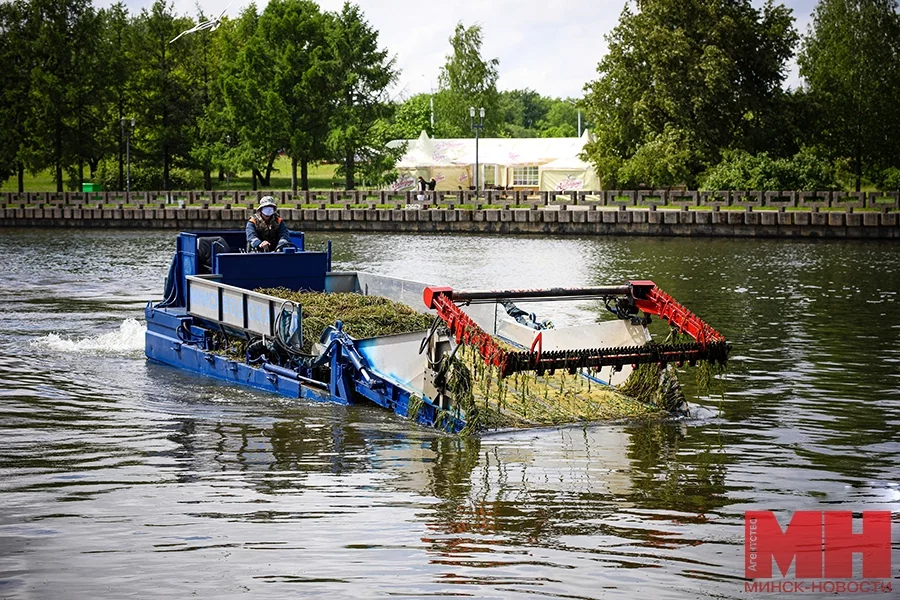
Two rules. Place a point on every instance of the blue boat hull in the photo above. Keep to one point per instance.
(165, 344)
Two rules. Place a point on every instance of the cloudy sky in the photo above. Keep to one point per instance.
(552, 47)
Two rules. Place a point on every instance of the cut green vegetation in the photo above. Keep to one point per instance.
(362, 316)
(531, 400)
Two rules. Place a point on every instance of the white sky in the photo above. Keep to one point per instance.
(550, 47)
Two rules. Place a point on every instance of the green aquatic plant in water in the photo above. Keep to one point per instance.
(416, 403)
(527, 399)
(656, 385)
(707, 373)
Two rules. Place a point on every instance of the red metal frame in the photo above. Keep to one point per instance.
(647, 297)
(462, 327)
(653, 301)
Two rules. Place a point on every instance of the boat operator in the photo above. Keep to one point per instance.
(266, 231)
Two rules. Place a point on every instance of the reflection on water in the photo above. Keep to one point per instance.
(123, 478)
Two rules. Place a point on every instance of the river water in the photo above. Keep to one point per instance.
(124, 479)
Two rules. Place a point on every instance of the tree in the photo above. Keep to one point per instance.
(278, 92)
(236, 116)
(850, 60)
(201, 67)
(377, 162)
(521, 111)
(164, 104)
(66, 86)
(15, 83)
(116, 40)
(360, 73)
(708, 71)
(663, 160)
(92, 95)
(216, 130)
(412, 117)
(561, 120)
(467, 80)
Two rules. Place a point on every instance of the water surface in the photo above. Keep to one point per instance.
(122, 478)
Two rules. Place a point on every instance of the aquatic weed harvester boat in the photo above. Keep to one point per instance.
(452, 359)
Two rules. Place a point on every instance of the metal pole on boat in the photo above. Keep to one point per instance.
(543, 294)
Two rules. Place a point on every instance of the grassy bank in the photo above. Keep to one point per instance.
(321, 177)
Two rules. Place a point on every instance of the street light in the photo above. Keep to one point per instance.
(431, 105)
(475, 127)
(575, 104)
(126, 133)
(228, 169)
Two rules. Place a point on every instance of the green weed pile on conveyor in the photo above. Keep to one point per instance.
(362, 316)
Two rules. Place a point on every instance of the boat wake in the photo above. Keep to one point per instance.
(128, 338)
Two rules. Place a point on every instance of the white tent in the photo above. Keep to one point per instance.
(569, 173)
(418, 152)
(507, 162)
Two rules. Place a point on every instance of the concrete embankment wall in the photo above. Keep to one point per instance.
(615, 212)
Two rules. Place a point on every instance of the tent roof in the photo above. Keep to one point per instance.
(426, 152)
(566, 163)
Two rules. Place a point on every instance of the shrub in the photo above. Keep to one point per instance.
(665, 160)
(888, 179)
(144, 178)
(811, 171)
(739, 170)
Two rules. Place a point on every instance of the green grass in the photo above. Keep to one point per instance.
(42, 182)
(321, 177)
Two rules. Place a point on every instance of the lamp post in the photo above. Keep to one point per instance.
(227, 169)
(578, 108)
(476, 127)
(431, 104)
(126, 133)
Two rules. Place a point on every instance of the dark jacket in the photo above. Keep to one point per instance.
(275, 232)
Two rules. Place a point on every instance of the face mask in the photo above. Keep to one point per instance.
(268, 211)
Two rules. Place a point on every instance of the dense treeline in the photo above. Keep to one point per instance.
(292, 80)
(691, 93)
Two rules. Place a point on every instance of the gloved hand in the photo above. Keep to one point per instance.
(263, 247)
